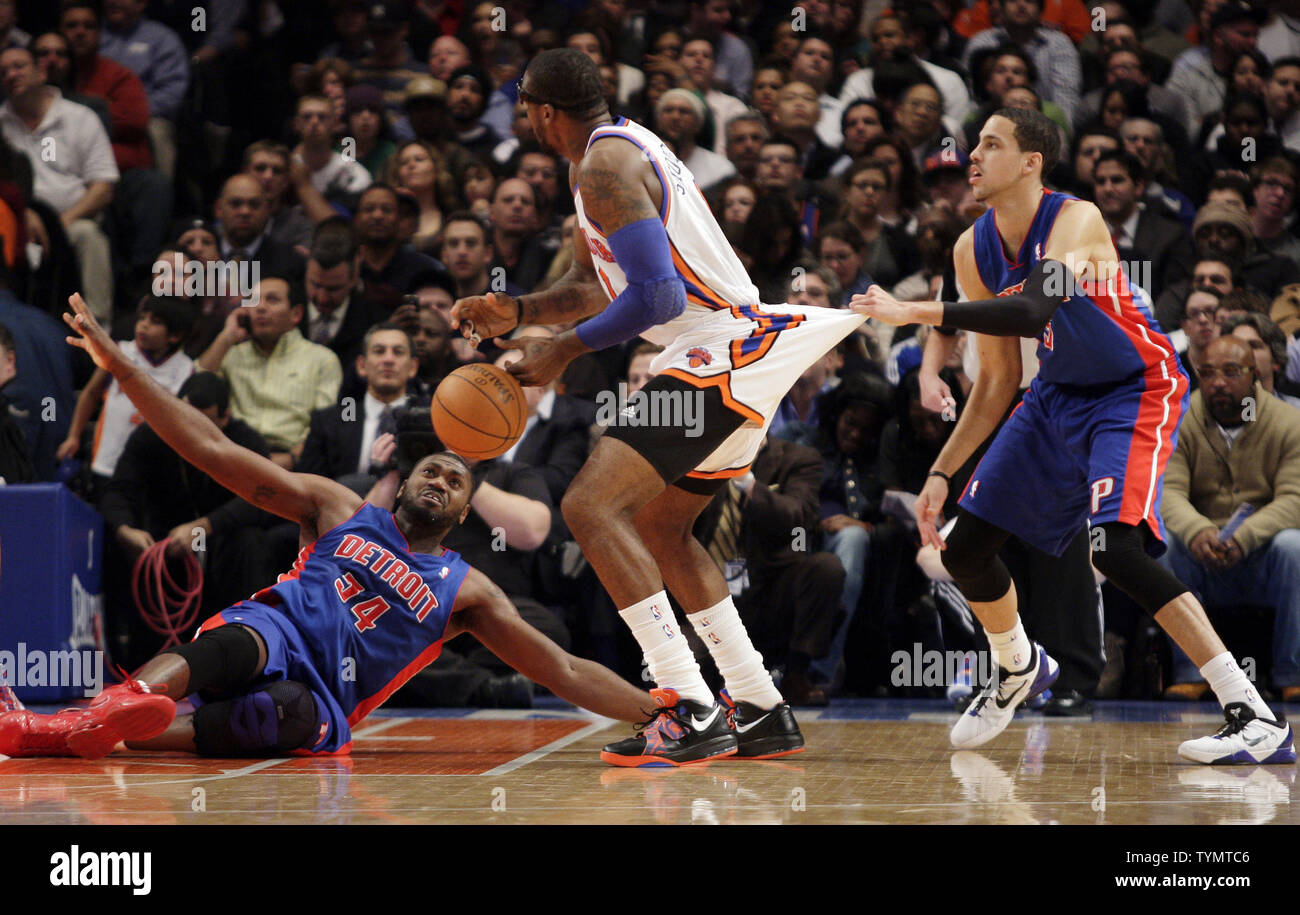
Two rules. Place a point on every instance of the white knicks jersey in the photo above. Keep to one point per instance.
(717, 285)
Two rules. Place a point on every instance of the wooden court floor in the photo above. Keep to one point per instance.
(866, 763)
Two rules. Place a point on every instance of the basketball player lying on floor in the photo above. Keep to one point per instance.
(369, 602)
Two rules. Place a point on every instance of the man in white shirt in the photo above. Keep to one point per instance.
(337, 178)
(73, 168)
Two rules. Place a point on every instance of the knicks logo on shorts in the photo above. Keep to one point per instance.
(698, 357)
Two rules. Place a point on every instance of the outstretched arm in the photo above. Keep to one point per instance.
(483, 610)
(314, 502)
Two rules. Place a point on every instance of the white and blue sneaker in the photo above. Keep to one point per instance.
(1245, 740)
(992, 710)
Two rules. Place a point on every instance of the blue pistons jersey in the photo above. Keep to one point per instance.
(1103, 333)
(356, 617)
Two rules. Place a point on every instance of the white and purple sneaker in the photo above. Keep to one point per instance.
(992, 710)
(1245, 740)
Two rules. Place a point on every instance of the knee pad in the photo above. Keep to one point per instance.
(274, 720)
(222, 659)
(972, 559)
(1121, 556)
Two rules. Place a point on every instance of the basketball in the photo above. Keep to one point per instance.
(478, 411)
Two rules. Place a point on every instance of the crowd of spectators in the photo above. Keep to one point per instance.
(284, 198)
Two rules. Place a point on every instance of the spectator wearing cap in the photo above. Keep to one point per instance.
(679, 115)
(349, 21)
(367, 127)
(1223, 231)
(1154, 245)
(427, 119)
(944, 176)
(157, 55)
(391, 65)
(336, 177)
(796, 117)
(467, 98)
(1200, 74)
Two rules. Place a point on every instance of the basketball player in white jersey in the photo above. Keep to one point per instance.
(651, 261)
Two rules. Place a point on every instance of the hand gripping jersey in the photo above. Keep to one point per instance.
(356, 617)
(1102, 334)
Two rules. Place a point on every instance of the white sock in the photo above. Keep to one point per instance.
(1230, 684)
(720, 628)
(666, 653)
(1012, 648)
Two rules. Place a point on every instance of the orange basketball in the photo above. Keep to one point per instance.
(479, 411)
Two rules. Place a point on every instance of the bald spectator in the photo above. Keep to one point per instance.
(1238, 446)
(447, 54)
(243, 215)
(157, 56)
(679, 115)
(77, 181)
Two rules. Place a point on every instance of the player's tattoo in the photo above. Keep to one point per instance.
(615, 198)
(574, 296)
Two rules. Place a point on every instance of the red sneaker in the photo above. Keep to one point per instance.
(126, 711)
(24, 733)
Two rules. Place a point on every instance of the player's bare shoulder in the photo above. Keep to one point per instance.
(615, 179)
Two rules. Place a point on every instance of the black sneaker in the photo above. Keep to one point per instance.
(678, 733)
(763, 733)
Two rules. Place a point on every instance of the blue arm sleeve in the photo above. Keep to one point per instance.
(654, 295)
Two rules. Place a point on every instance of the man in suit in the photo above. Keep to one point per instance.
(759, 529)
(337, 316)
(341, 436)
(243, 214)
(1144, 235)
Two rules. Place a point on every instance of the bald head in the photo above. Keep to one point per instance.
(242, 209)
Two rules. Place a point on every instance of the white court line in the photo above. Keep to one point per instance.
(519, 762)
(383, 725)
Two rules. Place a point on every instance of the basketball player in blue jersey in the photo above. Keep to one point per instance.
(369, 602)
(1089, 442)
(650, 260)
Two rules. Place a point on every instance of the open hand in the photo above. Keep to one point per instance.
(492, 314)
(90, 336)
